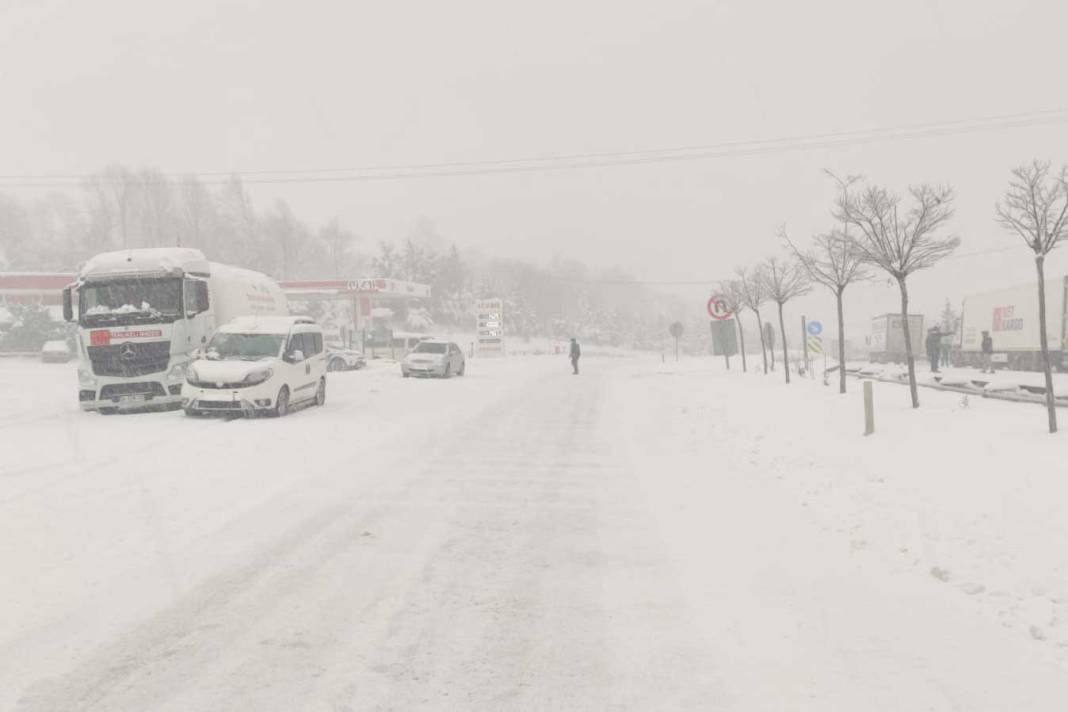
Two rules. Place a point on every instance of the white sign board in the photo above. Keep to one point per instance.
(489, 325)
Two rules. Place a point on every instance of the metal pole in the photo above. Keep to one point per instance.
(869, 409)
(804, 341)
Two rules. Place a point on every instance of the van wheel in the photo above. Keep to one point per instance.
(448, 371)
(320, 393)
(463, 367)
(281, 403)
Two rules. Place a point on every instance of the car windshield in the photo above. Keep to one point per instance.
(244, 347)
(430, 348)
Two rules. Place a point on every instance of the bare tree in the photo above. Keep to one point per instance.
(730, 291)
(833, 262)
(1035, 207)
(900, 243)
(751, 283)
(784, 280)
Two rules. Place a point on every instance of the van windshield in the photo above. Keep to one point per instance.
(244, 347)
(428, 348)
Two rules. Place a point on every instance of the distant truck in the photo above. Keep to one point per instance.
(887, 342)
(1011, 317)
(141, 313)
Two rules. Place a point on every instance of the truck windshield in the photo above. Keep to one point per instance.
(131, 301)
(244, 347)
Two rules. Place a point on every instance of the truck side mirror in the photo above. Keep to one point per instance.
(68, 305)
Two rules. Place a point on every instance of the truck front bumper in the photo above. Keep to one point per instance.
(130, 396)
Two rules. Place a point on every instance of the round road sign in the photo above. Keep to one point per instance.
(717, 309)
(815, 328)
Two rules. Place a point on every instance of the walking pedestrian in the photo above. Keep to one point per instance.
(575, 352)
(988, 353)
(934, 347)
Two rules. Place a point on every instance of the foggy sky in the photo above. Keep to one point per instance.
(210, 86)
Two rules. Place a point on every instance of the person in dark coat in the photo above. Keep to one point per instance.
(934, 347)
(988, 353)
(575, 353)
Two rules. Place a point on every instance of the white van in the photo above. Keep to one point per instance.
(258, 365)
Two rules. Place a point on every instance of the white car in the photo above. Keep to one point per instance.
(56, 352)
(342, 359)
(434, 358)
(258, 365)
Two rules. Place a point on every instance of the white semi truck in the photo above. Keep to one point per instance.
(141, 313)
(1011, 317)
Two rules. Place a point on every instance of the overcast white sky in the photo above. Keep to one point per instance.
(208, 86)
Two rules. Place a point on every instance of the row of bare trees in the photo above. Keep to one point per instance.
(876, 229)
(873, 229)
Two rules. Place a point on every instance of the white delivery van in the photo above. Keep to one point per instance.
(258, 365)
(141, 313)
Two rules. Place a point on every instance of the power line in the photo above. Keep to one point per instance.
(588, 160)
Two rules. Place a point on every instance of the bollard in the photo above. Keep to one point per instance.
(869, 409)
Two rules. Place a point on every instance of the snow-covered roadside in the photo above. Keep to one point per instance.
(106, 520)
(921, 568)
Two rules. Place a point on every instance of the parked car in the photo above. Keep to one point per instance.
(258, 365)
(434, 358)
(341, 359)
(56, 352)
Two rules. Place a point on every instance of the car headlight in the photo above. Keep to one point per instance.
(257, 377)
(177, 371)
(191, 376)
(85, 378)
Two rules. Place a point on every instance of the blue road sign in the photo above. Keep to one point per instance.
(815, 328)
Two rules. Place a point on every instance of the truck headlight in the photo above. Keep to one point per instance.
(177, 371)
(85, 378)
(257, 377)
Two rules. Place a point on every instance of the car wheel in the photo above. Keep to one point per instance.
(463, 367)
(405, 374)
(191, 413)
(320, 394)
(448, 371)
(336, 364)
(108, 411)
(281, 403)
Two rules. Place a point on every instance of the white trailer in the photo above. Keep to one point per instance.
(1011, 317)
(141, 313)
(887, 342)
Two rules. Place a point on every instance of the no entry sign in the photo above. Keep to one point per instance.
(717, 309)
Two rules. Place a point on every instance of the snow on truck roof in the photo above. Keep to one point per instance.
(150, 259)
(264, 324)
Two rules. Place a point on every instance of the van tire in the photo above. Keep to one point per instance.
(320, 392)
(281, 403)
(448, 371)
(463, 367)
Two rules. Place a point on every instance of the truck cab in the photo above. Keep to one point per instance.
(141, 313)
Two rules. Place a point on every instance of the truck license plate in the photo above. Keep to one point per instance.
(131, 399)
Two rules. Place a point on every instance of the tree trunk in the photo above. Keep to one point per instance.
(763, 347)
(1051, 408)
(841, 344)
(785, 352)
(741, 341)
(909, 358)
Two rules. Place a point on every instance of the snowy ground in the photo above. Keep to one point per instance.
(645, 536)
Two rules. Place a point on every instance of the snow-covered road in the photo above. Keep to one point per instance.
(644, 536)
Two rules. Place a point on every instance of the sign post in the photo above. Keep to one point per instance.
(489, 316)
(723, 340)
(813, 340)
(676, 330)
